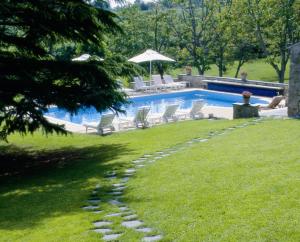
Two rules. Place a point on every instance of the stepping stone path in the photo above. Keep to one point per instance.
(152, 238)
(109, 237)
(144, 230)
(102, 223)
(103, 231)
(132, 223)
(91, 207)
(130, 218)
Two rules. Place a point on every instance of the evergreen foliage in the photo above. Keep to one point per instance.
(32, 79)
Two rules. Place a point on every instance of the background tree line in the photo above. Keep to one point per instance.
(205, 32)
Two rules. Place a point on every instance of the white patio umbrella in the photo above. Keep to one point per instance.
(150, 55)
(86, 57)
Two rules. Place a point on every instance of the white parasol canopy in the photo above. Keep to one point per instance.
(150, 55)
(86, 57)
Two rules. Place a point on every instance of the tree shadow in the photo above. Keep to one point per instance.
(36, 185)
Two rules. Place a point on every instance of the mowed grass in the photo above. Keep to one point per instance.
(242, 186)
(256, 69)
(53, 177)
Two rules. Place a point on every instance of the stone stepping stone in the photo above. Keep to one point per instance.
(115, 193)
(102, 231)
(203, 140)
(97, 211)
(132, 223)
(130, 217)
(102, 223)
(125, 179)
(118, 185)
(113, 215)
(159, 152)
(91, 207)
(140, 165)
(144, 230)
(115, 202)
(152, 238)
(128, 174)
(117, 189)
(124, 209)
(109, 237)
(111, 177)
(130, 170)
(94, 200)
(137, 161)
(147, 155)
(151, 161)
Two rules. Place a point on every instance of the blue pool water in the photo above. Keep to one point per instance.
(157, 103)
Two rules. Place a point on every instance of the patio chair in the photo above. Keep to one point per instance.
(170, 82)
(104, 126)
(140, 85)
(139, 120)
(277, 101)
(167, 116)
(194, 112)
(156, 79)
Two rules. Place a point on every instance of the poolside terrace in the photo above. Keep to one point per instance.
(209, 112)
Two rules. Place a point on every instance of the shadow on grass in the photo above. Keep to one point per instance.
(36, 185)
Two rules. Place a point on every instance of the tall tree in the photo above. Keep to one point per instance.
(139, 36)
(32, 79)
(221, 34)
(191, 23)
(242, 44)
(276, 27)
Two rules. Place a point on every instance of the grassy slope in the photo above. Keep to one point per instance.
(45, 204)
(243, 186)
(257, 70)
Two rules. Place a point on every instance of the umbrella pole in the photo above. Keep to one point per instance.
(150, 70)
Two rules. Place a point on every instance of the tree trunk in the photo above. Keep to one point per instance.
(281, 75)
(200, 70)
(238, 68)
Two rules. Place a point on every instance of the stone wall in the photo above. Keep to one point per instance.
(197, 81)
(294, 83)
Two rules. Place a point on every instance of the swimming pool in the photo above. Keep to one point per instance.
(157, 103)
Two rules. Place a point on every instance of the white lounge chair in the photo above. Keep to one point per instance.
(156, 79)
(167, 116)
(170, 82)
(139, 120)
(194, 112)
(104, 126)
(140, 85)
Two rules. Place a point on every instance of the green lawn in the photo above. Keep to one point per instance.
(242, 186)
(256, 69)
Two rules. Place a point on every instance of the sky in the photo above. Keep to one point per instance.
(113, 4)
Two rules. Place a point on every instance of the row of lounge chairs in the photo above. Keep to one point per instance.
(157, 83)
(143, 118)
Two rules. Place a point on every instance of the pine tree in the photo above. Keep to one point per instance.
(31, 79)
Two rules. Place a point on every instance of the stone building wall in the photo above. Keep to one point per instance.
(294, 83)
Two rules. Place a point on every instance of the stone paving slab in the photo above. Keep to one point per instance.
(109, 237)
(103, 231)
(132, 223)
(152, 238)
(144, 230)
(102, 223)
